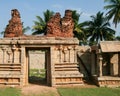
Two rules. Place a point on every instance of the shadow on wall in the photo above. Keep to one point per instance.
(84, 58)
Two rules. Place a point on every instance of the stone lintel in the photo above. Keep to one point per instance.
(43, 40)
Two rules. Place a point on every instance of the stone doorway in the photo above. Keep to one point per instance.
(38, 62)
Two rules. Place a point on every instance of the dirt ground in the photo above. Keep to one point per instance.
(33, 89)
(46, 90)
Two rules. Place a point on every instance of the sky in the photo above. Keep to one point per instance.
(29, 9)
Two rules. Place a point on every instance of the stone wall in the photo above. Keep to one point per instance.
(36, 59)
(85, 60)
(62, 66)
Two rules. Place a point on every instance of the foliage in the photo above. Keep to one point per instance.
(25, 29)
(117, 38)
(98, 29)
(40, 24)
(114, 10)
(89, 91)
(79, 30)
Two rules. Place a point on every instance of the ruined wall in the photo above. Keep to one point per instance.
(60, 27)
(37, 59)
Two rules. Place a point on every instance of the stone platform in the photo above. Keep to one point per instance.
(107, 81)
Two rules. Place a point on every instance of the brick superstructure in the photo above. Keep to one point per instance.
(61, 27)
(14, 28)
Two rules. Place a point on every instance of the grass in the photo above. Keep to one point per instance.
(37, 73)
(66, 92)
(89, 91)
(10, 92)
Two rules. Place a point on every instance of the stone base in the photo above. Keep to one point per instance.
(67, 74)
(107, 81)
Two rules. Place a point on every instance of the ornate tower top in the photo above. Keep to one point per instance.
(14, 28)
(61, 27)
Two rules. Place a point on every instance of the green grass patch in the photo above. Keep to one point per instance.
(37, 73)
(89, 91)
(10, 92)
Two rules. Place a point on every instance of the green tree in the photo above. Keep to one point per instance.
(114, 10)
(99, 29)
(40, 24)
(79, 30)
(25, 29)
(117, 38)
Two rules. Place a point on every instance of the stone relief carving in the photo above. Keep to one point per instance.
(66, 54)
(14, 28)
(10, 54)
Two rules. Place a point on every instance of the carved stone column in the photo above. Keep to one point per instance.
(75, 54)
(65, 54)
(100, 66)
(69, 48)
(14, 48)
(60, 53)
(24, 68)
(9, 59)
(4, 55)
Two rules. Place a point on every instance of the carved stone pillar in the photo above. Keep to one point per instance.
(75, 54)
(9, 59)
(65, 54)
(14, 48)
(69, 48)
(4, 55)
(24, 68)
(60, 53)
(100, 66)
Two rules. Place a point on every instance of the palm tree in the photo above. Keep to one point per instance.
(79, 30)
(40, 24)
(99, 29)
(114, 10)
(25, 29)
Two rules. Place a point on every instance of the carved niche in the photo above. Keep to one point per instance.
(14, 28)
(61, 27)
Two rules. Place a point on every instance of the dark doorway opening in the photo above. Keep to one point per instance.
(38, 69)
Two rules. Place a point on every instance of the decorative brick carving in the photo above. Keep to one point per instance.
(14, 28)
(61, 27)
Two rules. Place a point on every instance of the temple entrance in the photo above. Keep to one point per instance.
(38, 61)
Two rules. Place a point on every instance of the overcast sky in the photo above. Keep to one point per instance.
(29, 9)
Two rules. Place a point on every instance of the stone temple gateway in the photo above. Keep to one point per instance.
(62, 68)
(63, 60)
(61, 65)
